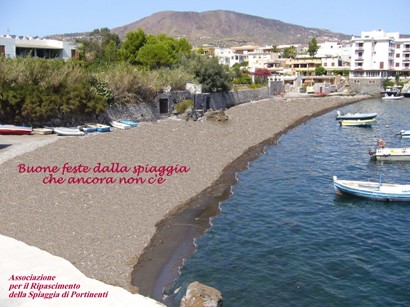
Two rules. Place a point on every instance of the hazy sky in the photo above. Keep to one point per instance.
(45, 17)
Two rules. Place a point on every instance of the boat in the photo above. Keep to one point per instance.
(405, 134)
(390, 154)
(15, 130)
(99, 127)
(88, 128)
(372, 190)
(64, 131)
(119, 125)
(43, 131)
(353, 116)
(357, 122)
(129, 122)
(392, 97)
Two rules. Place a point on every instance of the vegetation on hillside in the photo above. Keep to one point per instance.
(106, 72)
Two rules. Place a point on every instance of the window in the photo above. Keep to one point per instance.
(397, 46)
(397, 64)
(397, 55)
(381, 65)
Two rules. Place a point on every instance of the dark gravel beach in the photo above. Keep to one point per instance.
(102, 226)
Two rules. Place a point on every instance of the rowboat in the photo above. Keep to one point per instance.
(129, 122)
(16, 130)
(390, 154)
(88, 128)
(357, 122)
(372, 190)
(43, 131)
(354, 116)
(119, 125)
(404, 134)
(68, 131)
(99, 127)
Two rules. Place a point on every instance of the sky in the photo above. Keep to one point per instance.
(351, 17)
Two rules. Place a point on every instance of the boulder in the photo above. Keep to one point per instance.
(199, 295)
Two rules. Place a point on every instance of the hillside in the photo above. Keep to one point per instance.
(227, 28)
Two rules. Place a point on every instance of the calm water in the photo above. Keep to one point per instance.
(285, 239)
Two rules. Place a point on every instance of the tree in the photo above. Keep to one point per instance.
(320, 71)
(207, 70)
(97, 43)
(313, 47)
(132, 44)
(290, 52)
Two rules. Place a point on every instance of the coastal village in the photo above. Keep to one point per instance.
(104, 239)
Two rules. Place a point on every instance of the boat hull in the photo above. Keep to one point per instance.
(63, 131)
(15, 130)
(357, 122)
(372, 190)
(390, 154)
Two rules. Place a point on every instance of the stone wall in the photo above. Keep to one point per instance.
(370, 86)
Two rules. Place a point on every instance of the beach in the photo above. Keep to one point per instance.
(103, 226)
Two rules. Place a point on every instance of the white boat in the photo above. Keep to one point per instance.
(390, 154)
(392, 97)
(357, 122)
(405, 134)
(64, 131)
(119, 125)
(354, 116)
(372, 190)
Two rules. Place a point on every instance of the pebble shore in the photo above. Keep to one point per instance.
(102, 229)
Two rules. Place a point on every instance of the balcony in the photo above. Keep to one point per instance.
(359, 59)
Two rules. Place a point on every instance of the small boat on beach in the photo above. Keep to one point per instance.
(120, 125)
(354, 116)
(88, 128)
(99, 127)
(129, 122)
(405, 134)
(64, 131)
(357, 122)
(43, 131)
(15, 130)
(372, 190)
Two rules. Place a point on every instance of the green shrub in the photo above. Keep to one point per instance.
(181, 106)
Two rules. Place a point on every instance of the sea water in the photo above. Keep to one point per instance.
(284, 238)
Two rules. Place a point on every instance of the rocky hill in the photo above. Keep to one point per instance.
(227, 28)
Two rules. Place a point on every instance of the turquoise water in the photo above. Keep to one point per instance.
(284, 238)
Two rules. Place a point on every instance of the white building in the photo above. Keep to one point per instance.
(379, 54)
(11, 47)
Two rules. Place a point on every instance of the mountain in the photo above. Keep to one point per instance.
(227, 28)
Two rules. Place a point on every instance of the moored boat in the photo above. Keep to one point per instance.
(99, 127)
(372, 190)
(392, 97)
(390, 154)
(404, 134)
(357, 122)
(15, 130)
(353, 116)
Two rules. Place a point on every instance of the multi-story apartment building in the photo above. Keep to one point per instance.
(379, 54)
(14, 46)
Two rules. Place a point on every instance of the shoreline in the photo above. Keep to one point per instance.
(158, 266)
(108, 230)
